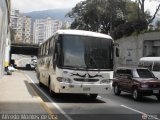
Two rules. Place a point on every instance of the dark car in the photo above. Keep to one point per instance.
(137, 81)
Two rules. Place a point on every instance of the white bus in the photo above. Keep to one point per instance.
(152, 63)
(76, 61)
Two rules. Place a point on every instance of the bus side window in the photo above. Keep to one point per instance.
(54, 53)
(50, 47)
(42, 51)
(47, 48)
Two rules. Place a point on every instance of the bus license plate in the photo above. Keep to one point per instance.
(155, 91)
(86, 89)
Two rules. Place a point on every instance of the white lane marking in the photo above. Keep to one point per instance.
(132, 109)
(124, 106)
(150, 116)
(64, 113)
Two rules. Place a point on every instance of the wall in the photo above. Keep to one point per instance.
(134, 47)
(3, 32)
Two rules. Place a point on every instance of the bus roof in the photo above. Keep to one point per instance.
(83, 33)
(150, 59)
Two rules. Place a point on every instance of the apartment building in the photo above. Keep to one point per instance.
(14, 19)
(44, 28)
(22, 26)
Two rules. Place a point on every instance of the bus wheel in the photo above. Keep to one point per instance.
(93, 96)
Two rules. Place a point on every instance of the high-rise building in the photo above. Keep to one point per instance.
(14, 18)
(23, 32)
(22, 27)
(44, 28)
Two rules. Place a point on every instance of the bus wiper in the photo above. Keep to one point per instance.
(97, 75)
(92, 58)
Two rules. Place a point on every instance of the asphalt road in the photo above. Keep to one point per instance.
(105, 107)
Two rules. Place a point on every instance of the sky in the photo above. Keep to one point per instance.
(38, 5)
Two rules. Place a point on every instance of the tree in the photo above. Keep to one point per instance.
(97, 15)
(145, 14)
(117, 17)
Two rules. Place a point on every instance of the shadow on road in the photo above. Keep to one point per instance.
(65, 98)
(144, 99)
(25, 69)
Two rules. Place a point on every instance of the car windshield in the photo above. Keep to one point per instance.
(144, 73)
(87, 52)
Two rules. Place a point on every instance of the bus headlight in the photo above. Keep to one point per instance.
(106, 81)
(65, 80)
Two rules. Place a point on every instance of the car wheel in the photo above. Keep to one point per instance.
(158, 97)
(116, 90)
(135, 94)
(93, 96)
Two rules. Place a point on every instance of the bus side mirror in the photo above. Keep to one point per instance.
(117, 52)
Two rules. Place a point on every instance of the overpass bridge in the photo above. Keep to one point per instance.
(24, 48)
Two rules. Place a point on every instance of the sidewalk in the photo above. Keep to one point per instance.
(17, 96)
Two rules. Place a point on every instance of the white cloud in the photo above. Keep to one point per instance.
(37, 5)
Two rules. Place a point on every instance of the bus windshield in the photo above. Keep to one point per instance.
(84, 52)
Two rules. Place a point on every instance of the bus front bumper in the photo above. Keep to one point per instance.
(83, 88)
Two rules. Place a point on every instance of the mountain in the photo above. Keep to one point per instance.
(53, 13)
